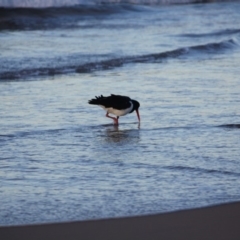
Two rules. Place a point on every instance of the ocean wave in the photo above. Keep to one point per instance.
(231, 126)
(209, 48)
(52, 18)
(225, 32)
(43, 15)
(202, 170)
(61, 3)
(23, 134)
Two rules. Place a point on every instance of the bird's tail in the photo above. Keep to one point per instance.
(97, 100)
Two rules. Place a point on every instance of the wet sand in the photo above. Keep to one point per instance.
(215, 222)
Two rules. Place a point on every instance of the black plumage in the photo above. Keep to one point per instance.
(114, 101)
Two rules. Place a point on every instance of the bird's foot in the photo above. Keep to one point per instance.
(115, 121)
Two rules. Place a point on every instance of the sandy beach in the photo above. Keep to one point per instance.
(221, 222)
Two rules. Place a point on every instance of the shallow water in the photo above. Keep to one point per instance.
(62, 160)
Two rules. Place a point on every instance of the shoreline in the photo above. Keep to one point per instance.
(218, 222)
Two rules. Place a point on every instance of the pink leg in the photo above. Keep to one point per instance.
(114, 119)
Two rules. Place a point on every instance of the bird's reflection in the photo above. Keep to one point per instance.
(116, 134)
(113, 142)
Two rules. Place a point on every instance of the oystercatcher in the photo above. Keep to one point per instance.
(117, 105)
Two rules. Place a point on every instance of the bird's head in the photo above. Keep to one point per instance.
(136, 106)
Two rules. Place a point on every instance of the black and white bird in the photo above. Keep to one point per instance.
(117, 105)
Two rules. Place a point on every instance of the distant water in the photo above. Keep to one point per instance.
(62, 3)
(62, 159)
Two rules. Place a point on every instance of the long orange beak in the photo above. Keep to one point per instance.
(138, 115)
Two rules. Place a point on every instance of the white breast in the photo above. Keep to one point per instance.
(118, 112)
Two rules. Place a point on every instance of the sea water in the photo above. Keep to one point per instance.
(61, 159)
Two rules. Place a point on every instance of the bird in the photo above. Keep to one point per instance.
(117, 105)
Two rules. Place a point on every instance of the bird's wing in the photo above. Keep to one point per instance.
(114, 101)
(119, 102)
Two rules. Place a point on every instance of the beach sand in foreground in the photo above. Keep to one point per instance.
(216, 222)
